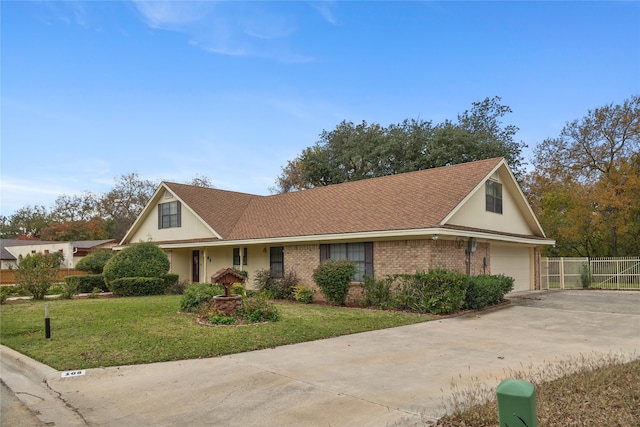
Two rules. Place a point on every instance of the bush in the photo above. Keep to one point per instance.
(585, 276)
(138, 260)
(138, 286)
(438, 291)
(69, 288)
(86, 284)
(196, 294)
(37, 272)
(378, 293)
(333, 278)
(222, 320)
(178, 287)
(303, 293)
(276, 287)
(486, 290)
(258, 309)
(94, 262)
(171, 280)
(238, 289)
(6, 292)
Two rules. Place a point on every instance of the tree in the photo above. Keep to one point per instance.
(37, 272)
(26, 223)
(68, 231)
(201, 181)
(82, 207)
(594, 166)
(121, 206)
(351, 152)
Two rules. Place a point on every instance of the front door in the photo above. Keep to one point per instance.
(195, 270)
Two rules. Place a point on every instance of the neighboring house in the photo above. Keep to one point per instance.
(471, 217)
(14, 250)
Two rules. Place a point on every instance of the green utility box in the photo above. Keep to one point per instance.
(517, 404)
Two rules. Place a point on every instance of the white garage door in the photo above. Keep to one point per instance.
(512, 261)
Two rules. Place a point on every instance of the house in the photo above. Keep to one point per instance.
(470, 217)
(12, 251)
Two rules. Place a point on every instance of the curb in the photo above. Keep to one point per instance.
(28, 380)
(34, 370)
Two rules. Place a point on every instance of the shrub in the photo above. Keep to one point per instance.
(138, 260)
(378, 293)
(333, 278)
(485, 290)
(276, 287)
(37, 272)
(86, 284)
(69, 288)
(258, 309)
(196, 294)
(138, 286)
(171, 280)
(303, 293)
(438, 291)
(178, 287)
(6, 292)
(222, 320)
(238, 289)
(94, 262)
(585, 276)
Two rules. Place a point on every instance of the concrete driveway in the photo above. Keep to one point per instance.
(394, 376)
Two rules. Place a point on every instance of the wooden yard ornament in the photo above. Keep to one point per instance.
(227, 303)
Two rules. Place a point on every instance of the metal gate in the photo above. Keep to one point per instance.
(600, 273)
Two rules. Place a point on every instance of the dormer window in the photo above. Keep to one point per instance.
(169, 215)
(494, 196)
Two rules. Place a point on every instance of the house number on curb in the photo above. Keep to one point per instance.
(70, 374)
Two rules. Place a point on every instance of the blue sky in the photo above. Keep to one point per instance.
(232, 90)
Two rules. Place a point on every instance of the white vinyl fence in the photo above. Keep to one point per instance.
(601, 273)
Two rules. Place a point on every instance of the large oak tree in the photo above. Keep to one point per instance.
(585, 185)
(352, 152)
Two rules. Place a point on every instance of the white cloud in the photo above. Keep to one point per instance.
(18, 194)
(253, 29)
(325, 9)
(168, 14)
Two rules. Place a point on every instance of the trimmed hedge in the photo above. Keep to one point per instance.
(86, 284)
(486, 290)
(94, 262)
(138, 260)
(437, 291)
(138, 286)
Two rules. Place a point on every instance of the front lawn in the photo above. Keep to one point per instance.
(125, 331)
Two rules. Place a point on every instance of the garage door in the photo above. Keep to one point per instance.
(512, 261)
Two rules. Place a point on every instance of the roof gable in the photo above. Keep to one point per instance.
(417, 200)
(413, 200)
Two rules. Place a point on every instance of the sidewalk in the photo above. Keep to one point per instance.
(387, 377)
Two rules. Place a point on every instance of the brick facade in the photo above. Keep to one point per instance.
(396, 257)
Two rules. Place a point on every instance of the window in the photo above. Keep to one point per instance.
(236, 256)
(169, 215)
(276, 261)
(361, 254)
(494, 196)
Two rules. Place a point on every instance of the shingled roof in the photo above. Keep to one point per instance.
(413, 200)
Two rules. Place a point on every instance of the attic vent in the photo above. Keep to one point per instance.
(495, 176)
(168, 195)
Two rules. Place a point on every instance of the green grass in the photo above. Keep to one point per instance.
(125, 331)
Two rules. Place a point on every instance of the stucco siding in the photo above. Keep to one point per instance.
(191, 228)
(474, 214)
